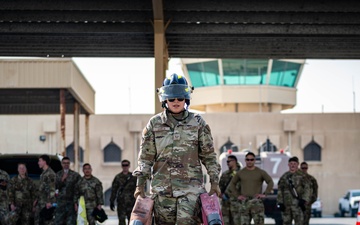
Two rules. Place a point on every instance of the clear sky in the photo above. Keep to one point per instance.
(126, 85)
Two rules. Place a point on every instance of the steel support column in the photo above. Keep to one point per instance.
(160, 49)
(87, 139)
(76, 136)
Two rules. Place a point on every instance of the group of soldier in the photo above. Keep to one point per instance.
(55, 199)
(242, 195)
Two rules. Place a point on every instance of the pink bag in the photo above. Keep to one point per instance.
(211, 211)
(142, 211)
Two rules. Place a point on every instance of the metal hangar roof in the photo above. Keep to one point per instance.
(192, 29)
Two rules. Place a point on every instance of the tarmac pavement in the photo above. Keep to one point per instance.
(326, 220)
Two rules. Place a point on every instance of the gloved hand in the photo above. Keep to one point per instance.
(302, 204)
(281, 207)
(140, 190)
(215, 189)
(112, 206)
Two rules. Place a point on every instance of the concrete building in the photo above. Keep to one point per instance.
(328, 142)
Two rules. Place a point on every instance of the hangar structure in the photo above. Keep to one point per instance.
(191, 29)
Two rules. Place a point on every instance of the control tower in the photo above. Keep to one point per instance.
(243, 85)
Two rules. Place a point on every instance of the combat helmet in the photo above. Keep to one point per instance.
(175, 86)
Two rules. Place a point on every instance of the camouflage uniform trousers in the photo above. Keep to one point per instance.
(180, 210)
(307, 215)
(37, 219)
(230, 212)
(23, 212)
(91, 220)
(235, 211)
(124, 208)
(65, 213)
(3, 216)
(293, 212)
(90, 206)
(252, 209)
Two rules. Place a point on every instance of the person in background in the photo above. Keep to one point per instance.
(4, 202)
(46, 192)
(314, 192)
(122, 190)
(293, 193)
(91, 188)
(250, 195)
(22, 191)
(229, 208)
(175, 143)
(66, 179)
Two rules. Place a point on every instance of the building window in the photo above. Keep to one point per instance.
(245, 71)
(284, 73)
(71, 155)
(267, 147)
(228, 146)
(204, 74)
(312, 152)
(112, 153)
(107, 196)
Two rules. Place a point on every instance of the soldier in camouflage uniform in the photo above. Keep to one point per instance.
(4, 203)
(250, 193)
(293, 193)
(314, 192)
(91, 188)
(66, 179)
(175, 143)
(122, 190)
(22, 191)
(46, 191)
(229, 208)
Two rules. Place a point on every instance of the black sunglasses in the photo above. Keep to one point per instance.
(249, 159)
(125, 165)
(173, 99)
(304, 168)
(229, 161)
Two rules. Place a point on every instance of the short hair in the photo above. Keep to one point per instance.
(86, 164)
(46, 158)
(65, 158)
(250, 153)
(294, 159)
(232, 157)
(22, 163)
(303, 163)
(125, 160)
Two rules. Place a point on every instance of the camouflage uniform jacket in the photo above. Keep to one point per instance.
(121, 192)
(172, 151)
(66, 188)
(314, 188)
(301, 184)
(92, 191)
(21, 191)
(226, 178)
(4, 203)
(46, 192)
